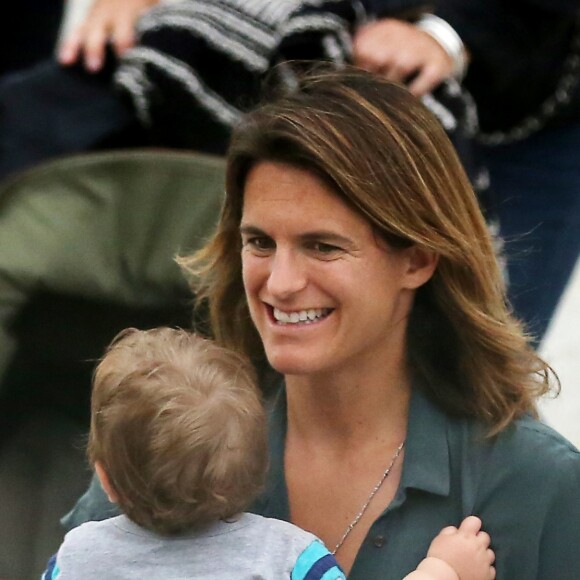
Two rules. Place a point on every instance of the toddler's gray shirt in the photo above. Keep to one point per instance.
(250, 548)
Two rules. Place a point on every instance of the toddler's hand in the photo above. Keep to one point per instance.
(466, 549)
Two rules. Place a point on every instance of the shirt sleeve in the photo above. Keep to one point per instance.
(52, 571)
(560, 538)
(528, 497)
(317, 563)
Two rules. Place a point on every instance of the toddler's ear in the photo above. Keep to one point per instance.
(105, 483)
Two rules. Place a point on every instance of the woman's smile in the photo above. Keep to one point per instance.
(299, 317)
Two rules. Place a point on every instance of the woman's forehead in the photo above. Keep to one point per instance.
(272, 186)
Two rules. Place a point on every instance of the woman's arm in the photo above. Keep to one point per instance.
(560, 535)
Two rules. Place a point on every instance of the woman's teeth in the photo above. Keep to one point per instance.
(300, 316)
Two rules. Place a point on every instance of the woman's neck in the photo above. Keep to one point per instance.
(344, 410)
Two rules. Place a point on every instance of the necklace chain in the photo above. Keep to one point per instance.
(365, 506)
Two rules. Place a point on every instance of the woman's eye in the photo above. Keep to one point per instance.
(259, 243)
(325, 249)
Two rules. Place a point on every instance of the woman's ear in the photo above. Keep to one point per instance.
(420, 266)
(105, 483)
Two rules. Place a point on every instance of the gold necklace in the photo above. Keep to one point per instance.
(364, 508)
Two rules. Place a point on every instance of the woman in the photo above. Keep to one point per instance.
(351, 252)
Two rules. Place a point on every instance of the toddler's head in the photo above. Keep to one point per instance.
(178, 429)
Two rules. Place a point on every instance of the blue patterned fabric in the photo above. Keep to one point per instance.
(317, 563)
(52, 571)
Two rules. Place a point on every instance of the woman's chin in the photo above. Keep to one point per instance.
(291, 364)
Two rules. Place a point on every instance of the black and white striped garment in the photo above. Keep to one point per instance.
(199, 64)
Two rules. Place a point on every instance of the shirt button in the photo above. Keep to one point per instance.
(379, 541)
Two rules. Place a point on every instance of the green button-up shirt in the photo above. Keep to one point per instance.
(523, 483)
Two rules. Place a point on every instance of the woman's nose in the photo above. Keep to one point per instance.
(287, 274)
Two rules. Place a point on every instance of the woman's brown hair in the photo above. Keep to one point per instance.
(382, 152)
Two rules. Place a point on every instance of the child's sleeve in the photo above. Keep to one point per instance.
(317, 563)
(52, 571)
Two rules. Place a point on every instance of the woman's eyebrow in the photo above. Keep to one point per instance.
(246, 229)
(326, 235)
(316, 235)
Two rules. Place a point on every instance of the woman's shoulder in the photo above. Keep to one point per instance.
(527, 454)
(528, 437)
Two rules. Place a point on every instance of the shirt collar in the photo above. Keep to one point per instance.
(274, 501)
(427, 464)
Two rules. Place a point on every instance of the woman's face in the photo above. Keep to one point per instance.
(323, 290)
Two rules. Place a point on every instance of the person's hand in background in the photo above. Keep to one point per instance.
(402, 52)
(108, 22)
